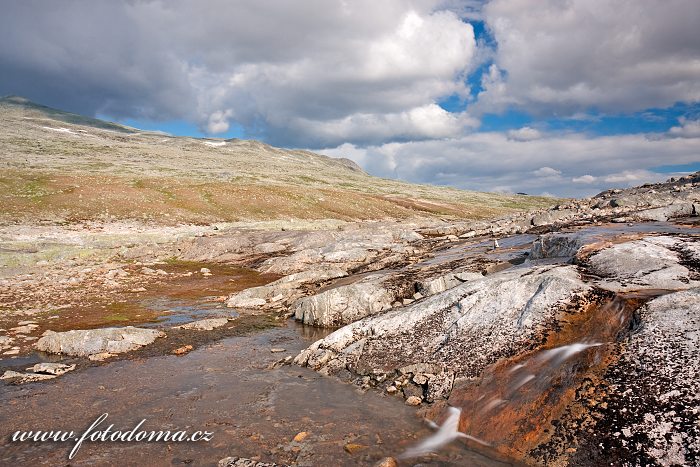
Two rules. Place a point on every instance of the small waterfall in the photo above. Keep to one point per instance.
(444, 434)
(512, 405)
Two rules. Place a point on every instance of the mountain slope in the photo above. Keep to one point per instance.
(57, 166)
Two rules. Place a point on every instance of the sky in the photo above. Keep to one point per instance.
(545, 97)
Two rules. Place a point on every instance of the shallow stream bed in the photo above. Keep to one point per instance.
(224, 388)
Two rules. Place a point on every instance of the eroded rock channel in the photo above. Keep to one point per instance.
(561, 337)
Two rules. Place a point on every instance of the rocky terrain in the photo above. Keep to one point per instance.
(531, 333)
(577, 352)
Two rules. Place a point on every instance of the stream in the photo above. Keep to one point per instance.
(294, 415)
(224, 388)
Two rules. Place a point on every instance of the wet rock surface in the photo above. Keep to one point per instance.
(555, 329)
(650, 412)
(458, 332)
(84, 343)
(205, 324)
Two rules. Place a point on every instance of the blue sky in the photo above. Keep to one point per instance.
(537, 96)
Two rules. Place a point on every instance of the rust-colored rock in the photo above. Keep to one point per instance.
(182, 350)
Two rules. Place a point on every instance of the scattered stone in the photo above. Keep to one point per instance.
(9, 374)
(301, 436)
(51, 368)
(277, 350)
(182, 350)
(282, 362)
(352, 448)
(26, 329)
(22, 378)
(101, 357)
(244, 462)
(387, 462)
(413, 401)
(207, 324)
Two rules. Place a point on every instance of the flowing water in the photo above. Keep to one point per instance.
(226, 387)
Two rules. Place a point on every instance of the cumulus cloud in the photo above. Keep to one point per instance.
(280, 68)
(560, 58)
(492, 161)
(524, 134)
(686, 129)
(426, 122)
(218, 121)
(364, 78)
(588, 179)
(545, 172)
(632, 177)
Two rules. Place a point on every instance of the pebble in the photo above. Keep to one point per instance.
(182, 350)
(352, 448)
(387, 462)
(413, 401)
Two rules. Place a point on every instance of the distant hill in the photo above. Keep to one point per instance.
(63, 167)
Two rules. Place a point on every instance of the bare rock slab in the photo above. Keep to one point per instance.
(86, 342)
(459, 331)
(208, 324)
(650, 263)
(345, 304)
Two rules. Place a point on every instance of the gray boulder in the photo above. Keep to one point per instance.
(86, 342)
(345, 304)
(207, 324)
(556, 245)
(51, 368)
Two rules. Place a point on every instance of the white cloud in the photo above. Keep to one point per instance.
(687, 129)
(491, 161)
(426, 122)
(632, 177)
(546, 172)
(524, 134)
(588, 179)
(279, 66)
(218, 121)
(615, 56)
